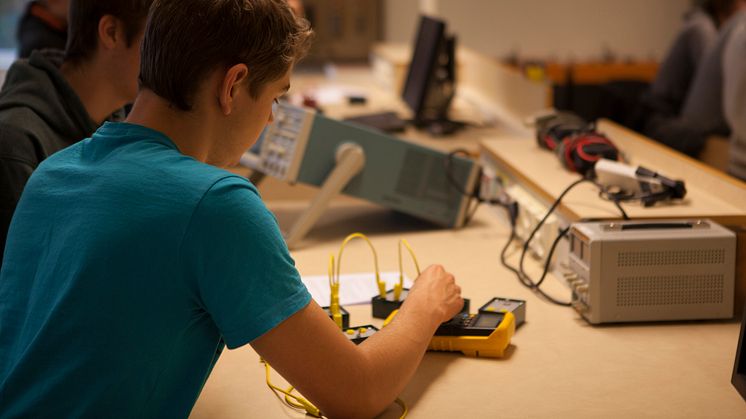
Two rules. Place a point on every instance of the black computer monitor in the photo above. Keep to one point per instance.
(430, 84)
(739, 366)
(431, 79)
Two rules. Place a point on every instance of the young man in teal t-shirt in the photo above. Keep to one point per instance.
(133, 258)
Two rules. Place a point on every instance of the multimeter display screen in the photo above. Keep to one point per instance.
(488, 320)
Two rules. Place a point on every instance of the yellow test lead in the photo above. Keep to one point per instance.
(334, 308)
(381, 284)
(398, 288)
(291, 399)
(403, 406)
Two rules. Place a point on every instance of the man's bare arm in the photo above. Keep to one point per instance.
(345, 380)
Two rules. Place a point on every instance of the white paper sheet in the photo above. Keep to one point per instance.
(353, 288)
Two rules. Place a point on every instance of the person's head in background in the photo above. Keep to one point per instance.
(225, 69)
(103, 47)
(297, 6)
(43, 25)
(721, 10)
(58, 8)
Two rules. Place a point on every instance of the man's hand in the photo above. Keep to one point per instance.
(436, 290)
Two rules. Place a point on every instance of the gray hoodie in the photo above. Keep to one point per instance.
(40, 114)
(702, 114)
(734, 95)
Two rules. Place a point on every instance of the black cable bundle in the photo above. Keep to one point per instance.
(576, 142)
(512, 208)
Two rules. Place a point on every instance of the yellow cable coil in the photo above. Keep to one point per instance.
(300, 403)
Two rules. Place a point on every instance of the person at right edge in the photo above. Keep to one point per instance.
(134, 258)
(734, 95)
(684, 106)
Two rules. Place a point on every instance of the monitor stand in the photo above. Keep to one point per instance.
(391, 123)
(442, 127)
(350, 160)
(383, 121)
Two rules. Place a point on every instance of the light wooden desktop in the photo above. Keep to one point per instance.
(558, 365)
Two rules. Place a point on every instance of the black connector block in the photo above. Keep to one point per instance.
(382, 307)
(345, 316)
(358, 334)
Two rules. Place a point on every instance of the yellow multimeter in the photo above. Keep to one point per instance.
(484, 334)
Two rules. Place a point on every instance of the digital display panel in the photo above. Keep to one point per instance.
(488, 320)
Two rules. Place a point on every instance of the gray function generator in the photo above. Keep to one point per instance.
(340, 157)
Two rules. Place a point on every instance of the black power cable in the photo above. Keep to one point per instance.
(519, 272)
(523, 278)
(512, 208)
(448, 163)
(556, 203)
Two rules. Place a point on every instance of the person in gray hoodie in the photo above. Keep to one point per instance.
(43, 25)
(685, 125)
(54, 98)
(671, 85)
(734, 95)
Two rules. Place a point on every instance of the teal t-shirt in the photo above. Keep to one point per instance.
(128, 267)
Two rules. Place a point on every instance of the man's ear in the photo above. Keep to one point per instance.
(235, 79)
(109, 32)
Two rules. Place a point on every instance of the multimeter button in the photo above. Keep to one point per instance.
(350, 332)
(362, 330)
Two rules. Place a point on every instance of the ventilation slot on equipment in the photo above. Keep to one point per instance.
(669, 290)
(671, 257)
(412, 175)
(422, 176)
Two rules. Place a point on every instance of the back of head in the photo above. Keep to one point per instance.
(185, 40)
(721, 10)
(58, 8)
(83, 22)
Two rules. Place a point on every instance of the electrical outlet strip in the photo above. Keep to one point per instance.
(530, 212)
